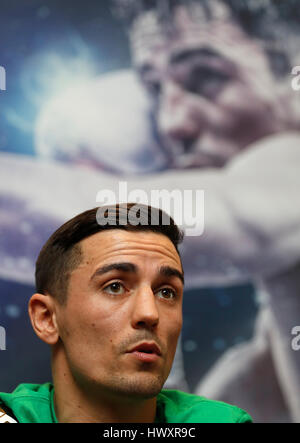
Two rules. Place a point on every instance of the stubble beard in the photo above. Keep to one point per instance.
(141, 385)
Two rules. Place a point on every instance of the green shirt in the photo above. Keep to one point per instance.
(31, 403)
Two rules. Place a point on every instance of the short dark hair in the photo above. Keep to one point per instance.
(62, 253)
(271, 21)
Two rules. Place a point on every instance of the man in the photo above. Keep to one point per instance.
(109, 303)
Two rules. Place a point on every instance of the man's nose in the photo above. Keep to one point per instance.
(177, 117)
(145, 311)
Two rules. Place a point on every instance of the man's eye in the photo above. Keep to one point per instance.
(115, 288)
(206, 82)
(167, 293)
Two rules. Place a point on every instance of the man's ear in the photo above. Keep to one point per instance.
(41, 309)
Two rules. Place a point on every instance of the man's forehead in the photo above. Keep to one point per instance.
(113, 243)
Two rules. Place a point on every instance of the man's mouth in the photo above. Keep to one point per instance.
(146, 347)
(146, 352)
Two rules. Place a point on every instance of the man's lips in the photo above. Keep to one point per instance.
(146, 352)
(146, 347)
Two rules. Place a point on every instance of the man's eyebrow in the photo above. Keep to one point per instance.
(124, 267)
(168, 271)
(187, 54)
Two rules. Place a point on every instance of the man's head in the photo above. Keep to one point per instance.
(217, 71)
(103, 291)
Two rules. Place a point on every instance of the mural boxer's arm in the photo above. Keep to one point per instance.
(251, 211)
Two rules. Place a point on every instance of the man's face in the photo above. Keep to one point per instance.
(212, 88)
(126, 293)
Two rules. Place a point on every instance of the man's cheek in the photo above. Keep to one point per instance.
(75, 328)
(176, 329)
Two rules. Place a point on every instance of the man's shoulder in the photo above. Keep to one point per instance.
(28, 403)
(181, 407)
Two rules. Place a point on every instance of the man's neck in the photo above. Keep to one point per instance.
(81, 410)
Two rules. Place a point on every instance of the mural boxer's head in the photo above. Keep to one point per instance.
(218, 72)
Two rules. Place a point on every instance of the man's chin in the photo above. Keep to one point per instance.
(141, 386)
